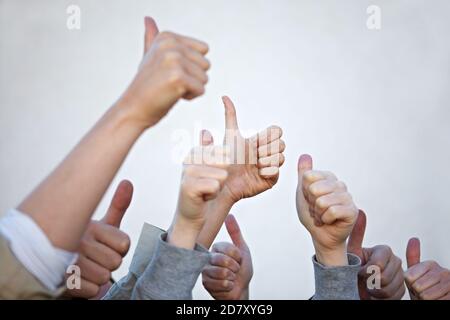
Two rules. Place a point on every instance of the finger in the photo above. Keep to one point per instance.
(229, 250)
(305, 163)
(425, 282)
(269, 172)
(417, 271)
(323, 187)
(205, 172)
(268, 135)
(206, 138)
(413, 252)
(274, 160)
(222, 260)
(379, 257)
(213, 285)
(194, 87)
(389, 289)
(196, 57)
(235, 232)
(356, 238)
(93, 272)
(192, 43)
(436, 292)
(195, 71)
(101, 254)
(230, 114)
(87, 290)
(151, 31)
(334, 213)
(119, 204)
(211, 155)
(277, 146)
(323, 203)
(219, 273)
(113, 238)
(392, 270)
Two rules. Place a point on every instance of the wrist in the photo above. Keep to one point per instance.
(332, 257)
(184, 232)
(226, 198)
(131, 112)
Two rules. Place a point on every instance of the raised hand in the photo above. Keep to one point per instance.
(254, 168)
(255, 161)
(390, 266)
(327, 211)
(425, 280)
(103, 246)
(173, 67)
(228, 275)
(204, 173)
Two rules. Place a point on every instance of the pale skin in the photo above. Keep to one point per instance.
(103, 246)
(327, 211)
(230, 269)
(425, 280)
(253, 171)
(173, 67)
(391, 277)
(200, 184)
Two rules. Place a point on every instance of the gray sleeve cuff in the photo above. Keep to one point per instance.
(145, 249)
(172, 273)
(337, 283)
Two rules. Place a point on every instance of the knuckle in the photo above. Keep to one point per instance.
(125, 244)
(105, 276)
(341, 185)
(173, 57)
(321, 203)
(116, 261)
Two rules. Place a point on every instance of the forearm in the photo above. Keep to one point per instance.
(63, 203)
(218, 210)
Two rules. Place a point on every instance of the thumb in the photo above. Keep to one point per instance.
(230, 114)
(305, 163)
(151, 31)
(119, 204)
(206, 138)
(235, 232)
(413, 252)
(356, 238)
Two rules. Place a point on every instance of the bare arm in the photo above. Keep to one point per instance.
(64, 202)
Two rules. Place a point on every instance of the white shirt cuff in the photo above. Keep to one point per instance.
(34, 250)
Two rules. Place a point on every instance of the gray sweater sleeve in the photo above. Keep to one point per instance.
(337, 283)
(145, 249)
(172, 273)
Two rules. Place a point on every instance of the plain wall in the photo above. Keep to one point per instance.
(370, 105)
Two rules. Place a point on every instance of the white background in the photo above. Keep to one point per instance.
(372, 106)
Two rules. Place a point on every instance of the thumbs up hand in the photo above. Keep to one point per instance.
(204, 174)
(173, 67)
(228, 275)
(255, 160)
(103, 246)
(391, 277)
(327, 211)
(425, 280)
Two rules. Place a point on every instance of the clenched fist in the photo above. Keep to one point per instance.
(392, 286)
(204, 173)
(173, 67)
(327, 211)
(103, 246)
(228, 274)
(425, 280)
